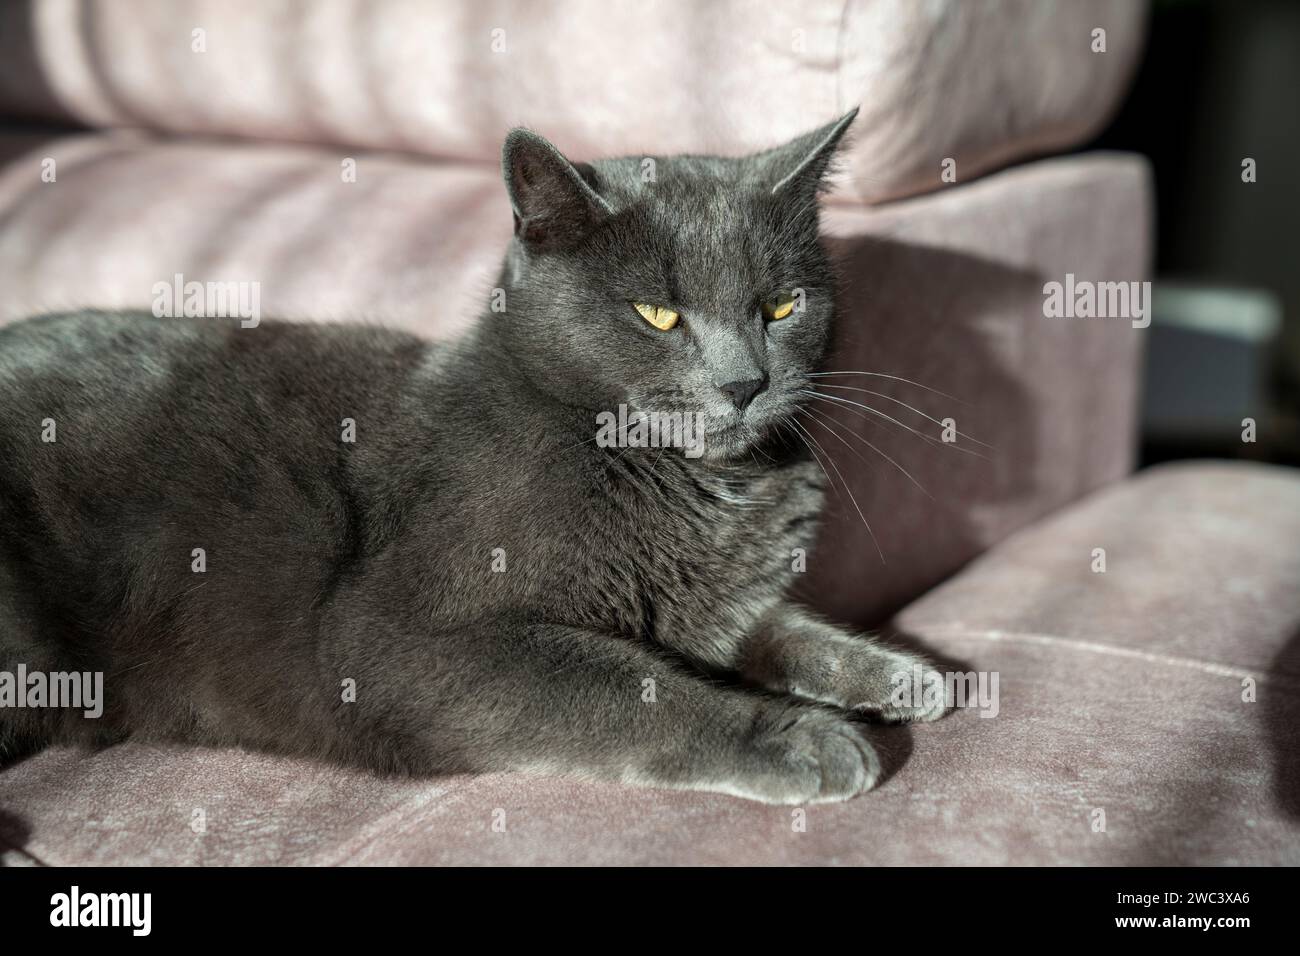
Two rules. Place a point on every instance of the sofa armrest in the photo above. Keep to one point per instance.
(947, 290)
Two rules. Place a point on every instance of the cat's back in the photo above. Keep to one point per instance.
(128, 439)
(186, 477)
(110, 397)
(128, 354)
(114, 373)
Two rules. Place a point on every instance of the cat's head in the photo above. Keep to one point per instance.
(682, 285)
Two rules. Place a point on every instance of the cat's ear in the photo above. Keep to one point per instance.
(800, 166)
(553, 201)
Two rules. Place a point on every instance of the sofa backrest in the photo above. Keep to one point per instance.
(977, 82)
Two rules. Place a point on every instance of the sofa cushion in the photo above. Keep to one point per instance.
(1163, 690)
(1194, 565)
(127, 211)
(945, 290)
(980, 83)
(1106, 703)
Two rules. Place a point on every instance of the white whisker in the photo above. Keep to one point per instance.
(913, 408)
(835, 399)
(905, 472)
(844, 481)
(895, 378)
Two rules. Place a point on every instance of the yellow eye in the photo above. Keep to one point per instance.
(661, 318)
(779, 306)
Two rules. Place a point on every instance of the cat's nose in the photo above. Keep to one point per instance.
(742, 392)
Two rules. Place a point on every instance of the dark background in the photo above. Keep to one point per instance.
(1220, 82)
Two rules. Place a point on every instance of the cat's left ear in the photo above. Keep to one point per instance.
(554, 202)
(800, 166)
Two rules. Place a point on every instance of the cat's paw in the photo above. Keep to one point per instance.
(897, 687)
(798, 755)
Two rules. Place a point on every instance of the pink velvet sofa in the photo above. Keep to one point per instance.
(1147, 713)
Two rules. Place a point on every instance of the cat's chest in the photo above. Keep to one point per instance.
(708, 552)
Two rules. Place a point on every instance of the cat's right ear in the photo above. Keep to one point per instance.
(554, 205)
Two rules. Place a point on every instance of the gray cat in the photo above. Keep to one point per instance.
(476, 582)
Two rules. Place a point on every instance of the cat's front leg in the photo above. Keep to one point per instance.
(512, 694)
(794, 652)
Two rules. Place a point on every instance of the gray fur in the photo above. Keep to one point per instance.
(373, 561)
